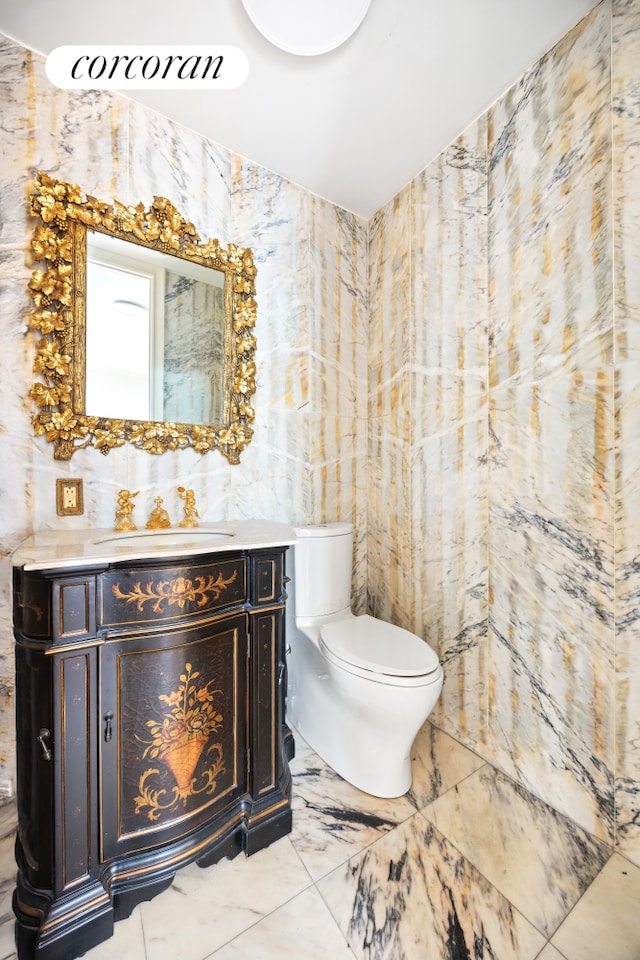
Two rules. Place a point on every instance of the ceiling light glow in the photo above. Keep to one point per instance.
(306, 27)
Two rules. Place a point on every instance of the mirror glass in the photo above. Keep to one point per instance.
(169, 315)
(145, 330)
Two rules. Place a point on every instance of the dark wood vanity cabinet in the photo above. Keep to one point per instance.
(151, 733)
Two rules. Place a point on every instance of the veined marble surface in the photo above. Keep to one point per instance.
(468, 864)
(551, 643)
(626, 179)
(59, 549)
(444, 376)
(307, 462)
(504, 425)
(546, 852)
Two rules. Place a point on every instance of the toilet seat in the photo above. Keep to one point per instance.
(366, 645)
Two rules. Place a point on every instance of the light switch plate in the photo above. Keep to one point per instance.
(69, 499)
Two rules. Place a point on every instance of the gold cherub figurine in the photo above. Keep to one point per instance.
(190, 512)
(159, 517)
(124, 511)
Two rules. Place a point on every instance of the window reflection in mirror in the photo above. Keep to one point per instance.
(154, 335)
(118, 341)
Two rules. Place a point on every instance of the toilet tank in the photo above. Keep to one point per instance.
(323, 569)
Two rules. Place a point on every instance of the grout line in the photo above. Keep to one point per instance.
(477, 870)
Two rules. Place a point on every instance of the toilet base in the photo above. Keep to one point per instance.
(363, 730)
(390, 780)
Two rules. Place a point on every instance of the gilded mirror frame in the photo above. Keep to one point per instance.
(59, 316)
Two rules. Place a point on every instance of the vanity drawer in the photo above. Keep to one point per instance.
(60, 610)
(149, 595)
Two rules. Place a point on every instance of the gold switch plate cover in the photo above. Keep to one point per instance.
(69, 499)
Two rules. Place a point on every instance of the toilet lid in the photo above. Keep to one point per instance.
(381, 647)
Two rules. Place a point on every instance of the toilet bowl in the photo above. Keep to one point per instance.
(359, 688)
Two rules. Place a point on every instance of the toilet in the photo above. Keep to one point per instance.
(359, 688)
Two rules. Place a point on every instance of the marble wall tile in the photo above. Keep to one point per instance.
(391, 333)
(390, 586)
(626, 189)
(449, 430)
(69, 134)
(38, 126)
(338, 333)
(443, 376)
(549, 208)
(390, 306)
(427, 428)
(450, 569)
(554, 506)
(271, 216)
(168, 159)
(551, 667)
(628, 612)
(449, 267)
(308, 459)
(495, 443)
(625, 52)
(551, 421)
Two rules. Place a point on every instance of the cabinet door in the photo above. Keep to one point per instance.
(173, 740)
(56, 769)
(35, 766)
(268, 677)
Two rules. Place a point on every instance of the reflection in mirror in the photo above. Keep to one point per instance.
(145, 331)
(119, 382)
(170, 315)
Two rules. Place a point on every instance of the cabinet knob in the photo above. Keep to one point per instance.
(108, 732)
(44, 739)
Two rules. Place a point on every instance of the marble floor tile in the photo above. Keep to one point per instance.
(203, 909)
(127, 942)
(302, 928)
(7, 883)
(7, 942)
(438, 762)
(537, 858)
(604, 923)
(468, 865)
(333, 820)
(413, 896)
(8, 872)
(550, 953)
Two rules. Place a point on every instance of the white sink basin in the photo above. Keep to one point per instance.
(166, 538)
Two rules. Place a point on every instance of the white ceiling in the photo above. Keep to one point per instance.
(354, 125)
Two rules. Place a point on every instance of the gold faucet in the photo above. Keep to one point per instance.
(190, 512)
(124, 511)
(159, 518)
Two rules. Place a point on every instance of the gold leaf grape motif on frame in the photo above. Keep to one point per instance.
(59, 294)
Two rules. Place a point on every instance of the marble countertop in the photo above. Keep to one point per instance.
(57, 549)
